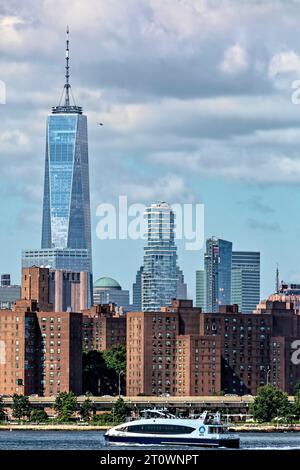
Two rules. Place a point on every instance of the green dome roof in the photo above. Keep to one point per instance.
(107, 283)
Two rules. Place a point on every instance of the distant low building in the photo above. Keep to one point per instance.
(108, 291)
(289, 289)
(8, 293)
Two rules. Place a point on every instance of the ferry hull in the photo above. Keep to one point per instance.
(233, 443)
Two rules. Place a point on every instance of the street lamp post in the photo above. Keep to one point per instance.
(120, 373)
(268, 371)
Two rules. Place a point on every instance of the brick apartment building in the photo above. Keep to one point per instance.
(40, 352)
(41, 349)
(182, 351)
(102, 328)
(286, 330)
(167, 355)
(178, 351)
(245, 347)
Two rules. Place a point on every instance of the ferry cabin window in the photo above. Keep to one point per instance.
(123, 429)
(160, 429)
(215, 430)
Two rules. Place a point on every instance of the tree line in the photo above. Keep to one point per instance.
(67, 410)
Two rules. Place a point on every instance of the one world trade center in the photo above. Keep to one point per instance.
(66, 227)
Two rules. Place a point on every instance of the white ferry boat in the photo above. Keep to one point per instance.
(160, 427)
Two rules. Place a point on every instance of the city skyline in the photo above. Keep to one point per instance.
(222, 133)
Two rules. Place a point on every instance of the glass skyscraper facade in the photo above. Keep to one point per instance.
(217, 266)
(68, 259)
(201, 290)
(159, 275)
(245, 280)
(181, 293)
(66, 207)
(181, 290)
(66, 225)
(137, 291)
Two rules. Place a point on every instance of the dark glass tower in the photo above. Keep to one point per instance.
(217, 266)
(66, 205)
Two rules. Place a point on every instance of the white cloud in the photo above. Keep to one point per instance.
(284, 63)
(10, 21)
(222, 160)
(14, 138)
(235, 60)
(170, 188)
(154, 72)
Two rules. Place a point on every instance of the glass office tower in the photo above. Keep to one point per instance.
(137, 291)
(201, 290)
(66, 208)
(217, 266)
(245, 280)
(66, 225)
(159, 276)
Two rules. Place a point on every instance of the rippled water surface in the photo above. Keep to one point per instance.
(94, 440)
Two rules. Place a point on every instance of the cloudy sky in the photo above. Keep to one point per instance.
(196, 101)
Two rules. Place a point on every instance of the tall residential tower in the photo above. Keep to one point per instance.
(159, 278)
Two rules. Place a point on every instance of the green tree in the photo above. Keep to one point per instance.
(101, 371)
(38, 416)
(96, 377)
(21, 406)
(103, 418)
(297, 387)
(120, 410)
(115, 358)
(296, 407)
(87, 409)
(65, 405)
(269, 404)
(2, 412)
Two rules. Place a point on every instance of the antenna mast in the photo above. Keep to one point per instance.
(67, 84)
(66, 107)
(277, 286)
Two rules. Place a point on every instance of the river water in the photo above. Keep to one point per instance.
(94, 440)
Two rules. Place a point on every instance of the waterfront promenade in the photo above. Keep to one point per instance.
(239, 403)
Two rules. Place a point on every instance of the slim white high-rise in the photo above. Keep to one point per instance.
(159, 275)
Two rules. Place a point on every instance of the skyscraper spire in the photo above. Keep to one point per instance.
(67, 84)
(277, 286)
(66, 106)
